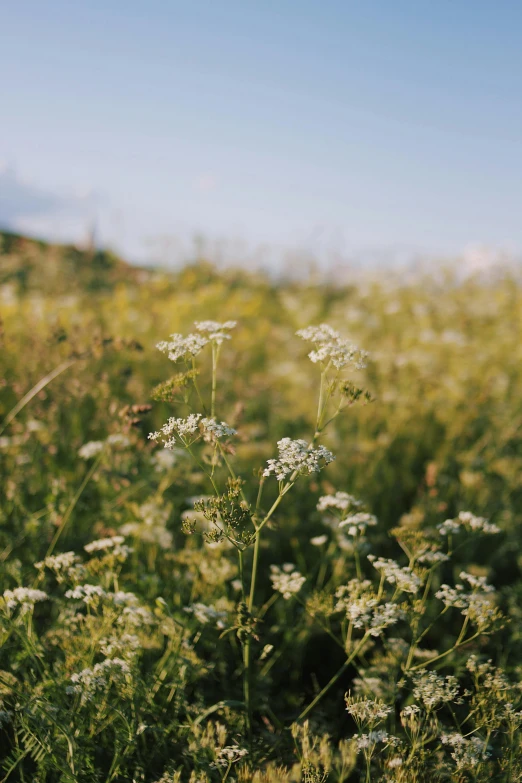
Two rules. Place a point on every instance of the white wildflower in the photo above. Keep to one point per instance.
(319, 540)
(469, 522)
(207, 614)
(89, 594)
(23, 598)
(367, 710)
(114, 544)
(384, 615)
(163, 459)
(432, 689)
(179, 347)
(213, 430)
(432, 557)
(357, 524)
(90, 681)
(341, 501)
(215, 332)
(184, 428)
(286, 580)
(467, 753)
(229, 755)
(90, 449)
(64, 562)
(125, 645)
(331, 347)
(405, 579)
(152, 527)
(297, 456)
(368, 741)
(118, 441)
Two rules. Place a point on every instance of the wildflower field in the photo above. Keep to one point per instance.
(255, 530)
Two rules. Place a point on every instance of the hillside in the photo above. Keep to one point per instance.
(36, 265)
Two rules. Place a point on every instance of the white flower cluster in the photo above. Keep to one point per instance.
(286, 580)
(179, 347)
(362, 607)
(215, 332)
(126, 645)
(90, 681)
(60, 562)
(358, 523)
(368, 741)
(152, 527)
(432, 689)
(94, 447)
(114, 544)
(405, 579)
(207, 614)
(432, 557)
(23, 598)
(90, 449)
(89, 594)
(163, 459)
(213, 430)
(341, 501)
(477, 605)
(229, 755)
(183, 427)
(331, 347)
(468, 521)
(367, 710)
(66, 564)
(467, 752)
(297, 456)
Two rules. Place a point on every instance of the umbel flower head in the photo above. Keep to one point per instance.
(179, 347)
(331, 347)
(297, 455)
(189, 429)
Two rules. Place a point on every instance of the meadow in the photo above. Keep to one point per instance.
(257, 530)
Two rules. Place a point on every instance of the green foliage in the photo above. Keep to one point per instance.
(266, 646)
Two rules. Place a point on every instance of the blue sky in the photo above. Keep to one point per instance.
(334, 126)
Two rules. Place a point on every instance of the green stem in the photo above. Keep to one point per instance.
(334, 679)
(42, 383)
(73, 503)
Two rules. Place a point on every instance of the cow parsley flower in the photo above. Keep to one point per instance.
(297, 456)
(477, 605)
(179, 347)
(432, 557)
(114, 545)
(207, 614)
(341, 501)
(357, 524)
(286, 580)
(91, 449)
(229, 755)
(467, 521)
(90, 681)
(89, 594)
(23, 598)
(215, 332)
(367, 710)
(331, 347)
(370, 740)
(432, 689)
(184, 428)
(213, 430)
(405, 579)
(467, 752)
